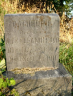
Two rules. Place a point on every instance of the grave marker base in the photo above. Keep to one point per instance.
(56, 82)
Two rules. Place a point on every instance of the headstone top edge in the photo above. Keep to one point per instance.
(33, 14)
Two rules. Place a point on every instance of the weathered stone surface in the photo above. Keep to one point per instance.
(56, 82)
(32, 40)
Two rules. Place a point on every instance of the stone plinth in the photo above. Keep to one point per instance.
(56, 82)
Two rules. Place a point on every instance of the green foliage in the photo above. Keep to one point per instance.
(61, 7)
(12, 82)
(14, 93)
(4, 86)
(68, 7)
(66, 56)
(2, 49)
(2, 65)
(2, 55)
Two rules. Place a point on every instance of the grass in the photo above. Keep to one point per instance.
(66, 56)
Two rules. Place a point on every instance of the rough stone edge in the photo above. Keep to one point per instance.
(33, 14)
(59, 72)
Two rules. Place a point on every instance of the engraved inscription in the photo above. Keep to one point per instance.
(38, 40)
(32, 23)
(10, 50)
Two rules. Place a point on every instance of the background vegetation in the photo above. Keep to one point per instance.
(42, 6)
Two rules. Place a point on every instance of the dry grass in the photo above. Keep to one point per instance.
(66, 29)
(31, 70)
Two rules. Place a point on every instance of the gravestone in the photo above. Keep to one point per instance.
(32, 43)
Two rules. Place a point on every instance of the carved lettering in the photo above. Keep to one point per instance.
(33, 23)
(43, 22)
